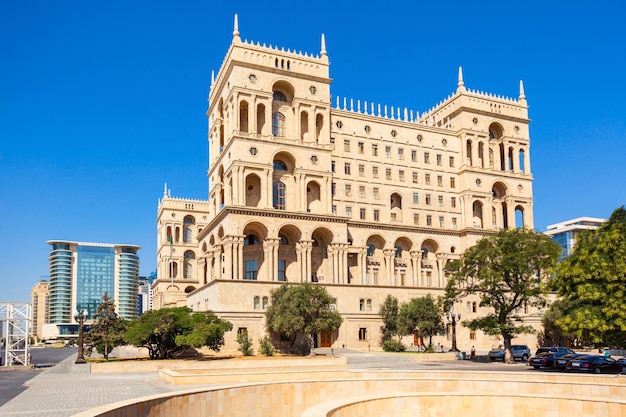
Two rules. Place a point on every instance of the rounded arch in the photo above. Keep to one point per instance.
(519, 216)
(253, 190)
(189, 254)
(375, 244)
(204, 247)
(189, 288)
(313, 197)
(499, 190)
(283, 91)
(291, 233)
(255, 228)
(243, 116)
(287, 263)
(395, 206)
(321, 265)
(189, 220)
(220, 233)
(403, 246)
(496, 131)
(477, 214)
(429, 249)
(284, 161)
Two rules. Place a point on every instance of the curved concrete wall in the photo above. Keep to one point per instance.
(421, 394)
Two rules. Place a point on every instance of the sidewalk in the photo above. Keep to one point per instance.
(68, 388)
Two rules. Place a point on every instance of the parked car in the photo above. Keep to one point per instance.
(562, 361)
(546, 357)
(594, 363)
(520, 352)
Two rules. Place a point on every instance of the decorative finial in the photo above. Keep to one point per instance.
(236, 29)
(164, 189)
(323, 51)
(460, 87)
(522, 96)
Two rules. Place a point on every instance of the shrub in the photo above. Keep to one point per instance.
(265, 346)
(245, 344)
(392, 345)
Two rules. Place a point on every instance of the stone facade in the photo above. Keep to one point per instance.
(367, 200)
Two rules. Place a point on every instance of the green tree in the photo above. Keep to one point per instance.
(169, 332)
(553, 333)
(593, 280)
(389, 313)
(423, 314)
(506, 271)
(301, 310)
(107, 329)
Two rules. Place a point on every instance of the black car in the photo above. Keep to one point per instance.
(546, 357)
(594, 363)
(562, 361)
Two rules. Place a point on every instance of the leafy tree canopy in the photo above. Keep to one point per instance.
(389, 313)
(423, 314)
(593, 280)
(302, 310)
(168, 332)
(107, 329)
(506, 271)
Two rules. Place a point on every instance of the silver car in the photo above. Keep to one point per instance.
(520, 352)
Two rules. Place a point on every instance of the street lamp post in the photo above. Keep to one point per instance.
(80, 317)
(452, 319)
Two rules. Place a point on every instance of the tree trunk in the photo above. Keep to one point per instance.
(508, 354)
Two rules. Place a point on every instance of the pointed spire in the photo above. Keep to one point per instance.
(323, 51)
(164, 189)
(236, 37)
(460, 87)
(212, 77)
(522, 96)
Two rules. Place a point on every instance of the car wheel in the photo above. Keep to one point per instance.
(524, 358)
(493, 359)
(536, 367)
(597, 370)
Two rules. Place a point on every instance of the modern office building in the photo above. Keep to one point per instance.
(81, 272)
(564, 233)
(365, 199)
(40, 299)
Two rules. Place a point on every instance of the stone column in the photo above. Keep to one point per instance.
(219, 273)
(268, 259)
(390, 266)
(228, 257)
(241, 270)
(415, 258)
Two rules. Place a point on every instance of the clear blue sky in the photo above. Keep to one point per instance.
(103, 102)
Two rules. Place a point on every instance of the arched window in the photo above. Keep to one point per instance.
(256, 302)
(278, 195)
(265, 302)
(189, 255)
(189, 220)
(398, 253)
(424, 253)
(187, 235)
(361, 305)
(368, 304)
(370, 249)
(282, 239)
(278, 124)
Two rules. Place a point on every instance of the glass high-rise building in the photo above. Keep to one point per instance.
(80, 274)
(564, 233)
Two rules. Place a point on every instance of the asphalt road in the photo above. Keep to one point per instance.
(12, 380)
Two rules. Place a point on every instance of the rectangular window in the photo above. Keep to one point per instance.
(454, 222)
(348, 211)
(440, 201)
(472, 334)
(362, 191)
(361, 170)
(333, 188)
(334, 208)
(441, 221)
(388, 151)
(361, 148)
(376, 194)
(375, 172)
(251, 270)
(416, 199)
(362, 214)
(348, 190)
(346, 168)
(401, 176)
(376, 215)
(427, 179)
(401, 154)
(452, 161)
(332, 166)
(346, 145)
(438, 159)
(416, 219)
(363, 334)
(414, 177)
(374, 150)
(429, 220)
(439, 180)
(388, 173)
(453, 202)
(394, 217)
(414, 155)
(452, 183)
(428, 199)
(426, 158)
(281, 270)
(242, 331)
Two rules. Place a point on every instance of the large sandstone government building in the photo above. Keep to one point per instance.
(367, 200)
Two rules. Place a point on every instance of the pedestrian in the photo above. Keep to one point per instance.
(607, 354)
(473, 353)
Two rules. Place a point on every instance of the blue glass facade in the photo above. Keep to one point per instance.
(95, 276)
(128, 297)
